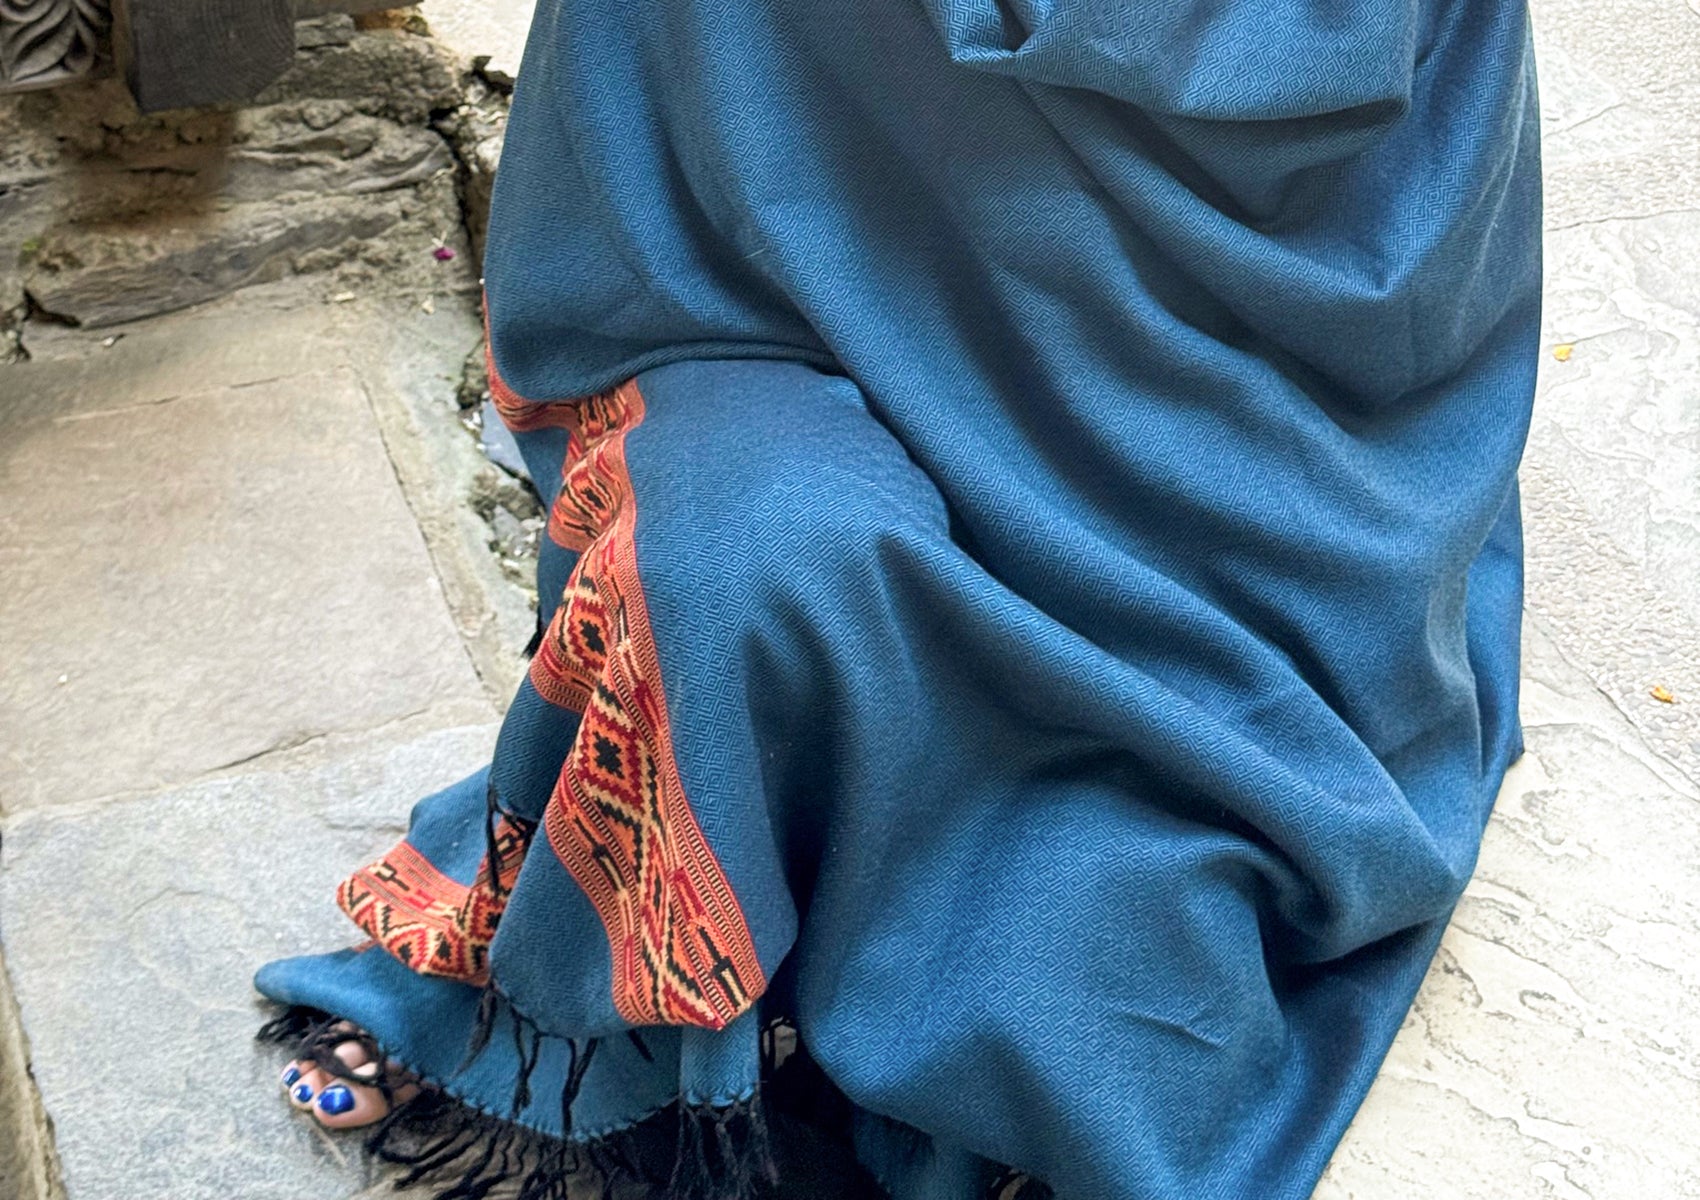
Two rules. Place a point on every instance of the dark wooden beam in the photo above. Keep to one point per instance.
(322, 8)
(190, 53)
(175, 53)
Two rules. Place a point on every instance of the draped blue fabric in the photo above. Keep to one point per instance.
(1077, 512)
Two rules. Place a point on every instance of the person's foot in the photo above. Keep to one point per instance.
(358, 1091)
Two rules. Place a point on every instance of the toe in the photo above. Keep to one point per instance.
(307, 1085)
(347, 1105)
(361, 1065)
(353, 1056)
(347, 1097)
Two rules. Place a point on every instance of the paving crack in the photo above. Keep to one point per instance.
(447, 587)
(1660, 761)
(1587, 120)
(451, 716)
(1621, 218)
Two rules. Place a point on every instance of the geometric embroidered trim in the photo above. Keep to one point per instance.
(618, 818)
(434, 925)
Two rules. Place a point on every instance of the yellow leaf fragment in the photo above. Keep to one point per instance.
(1563, 351)
(1663, 694)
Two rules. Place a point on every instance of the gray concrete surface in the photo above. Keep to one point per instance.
(242, 535)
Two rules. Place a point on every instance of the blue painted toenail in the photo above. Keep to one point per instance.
(290, 1075)
(335, 1100)
(302, 1092)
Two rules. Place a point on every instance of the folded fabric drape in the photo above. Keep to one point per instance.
(1029, 612)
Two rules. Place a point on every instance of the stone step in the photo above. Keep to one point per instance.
(133, 929)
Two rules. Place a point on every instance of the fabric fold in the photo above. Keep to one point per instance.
(1032, 585)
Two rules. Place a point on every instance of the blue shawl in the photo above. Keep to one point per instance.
(1029, 627)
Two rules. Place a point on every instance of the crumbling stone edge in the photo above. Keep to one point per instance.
(29, 1165)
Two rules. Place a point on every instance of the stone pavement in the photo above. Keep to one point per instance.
(250, 615)
(237, 662)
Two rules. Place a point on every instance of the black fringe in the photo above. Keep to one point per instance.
(684, 1152)
(483, 1026)
(528, 1049)
(289, 1026)
(527, 1064)
(494, 811)
(465, 1154)
(723, 1153)
(577, 1065)
(717, 1152)
(492, 848)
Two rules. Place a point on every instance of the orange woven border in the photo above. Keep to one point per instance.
(619, 819)
(434, 925)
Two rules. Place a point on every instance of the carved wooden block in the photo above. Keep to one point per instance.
(44, 42)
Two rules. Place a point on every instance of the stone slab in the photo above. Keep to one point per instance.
(208, 556)
(132, 931)
(1620, 90)
(28, 1170)
(1612, 476)
(450, 486)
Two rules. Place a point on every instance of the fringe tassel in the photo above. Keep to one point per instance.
(464, 1154)
(578, 1063)
(483, 1027)
(492, 848)
(527, 1064)
(683, 1152)
(290, 1026)
(723, 1153)
(719, 1153)
(494, 812)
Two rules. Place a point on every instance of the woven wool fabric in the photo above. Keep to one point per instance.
(1032, 584)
